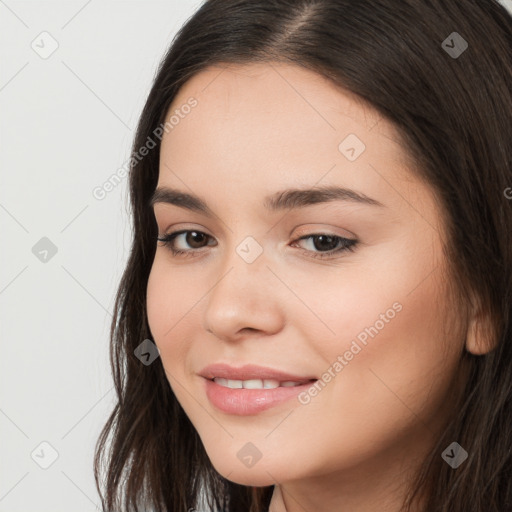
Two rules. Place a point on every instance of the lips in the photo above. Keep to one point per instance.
(249, 402)
(251, 372)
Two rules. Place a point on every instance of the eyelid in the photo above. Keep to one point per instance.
(303, 230)
(184, 226)
(319, 228)
(348, 244)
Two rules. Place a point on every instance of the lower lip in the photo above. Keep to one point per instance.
(244, 402)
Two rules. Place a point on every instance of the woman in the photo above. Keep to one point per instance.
(315, 314)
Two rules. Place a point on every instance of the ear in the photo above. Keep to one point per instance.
(481, 333)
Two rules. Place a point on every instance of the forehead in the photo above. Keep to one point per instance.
(280, 89)
(265, 126)
(277, 102)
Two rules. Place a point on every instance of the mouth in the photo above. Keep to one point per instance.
(259, 383)
(252, 396)
(251, 389)
(252, 375)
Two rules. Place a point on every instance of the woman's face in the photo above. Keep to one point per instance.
(374, 324)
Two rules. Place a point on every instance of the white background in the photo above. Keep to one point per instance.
(66, 125)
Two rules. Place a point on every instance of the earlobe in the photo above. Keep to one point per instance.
(481, 332)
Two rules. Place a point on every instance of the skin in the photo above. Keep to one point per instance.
(258, 129)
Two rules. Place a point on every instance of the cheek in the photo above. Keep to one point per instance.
(390, 391)
(390, 310)
(394, 373)
(170, 301)
(170, 297)
(392, 333)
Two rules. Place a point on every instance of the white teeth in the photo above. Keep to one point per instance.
(254, 383)
(267, 384)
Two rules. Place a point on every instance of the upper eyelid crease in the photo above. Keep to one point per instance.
(283, 200)
(348, 244)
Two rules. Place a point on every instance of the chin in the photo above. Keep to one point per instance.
(251, 477)
(261, 474)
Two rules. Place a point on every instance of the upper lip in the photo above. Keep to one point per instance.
(249, 372)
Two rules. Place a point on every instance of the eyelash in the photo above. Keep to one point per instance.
(347, 244)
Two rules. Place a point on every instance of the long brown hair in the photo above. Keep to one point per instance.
(452, 105)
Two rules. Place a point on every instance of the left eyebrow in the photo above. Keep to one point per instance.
(282, 200)
(297, 198)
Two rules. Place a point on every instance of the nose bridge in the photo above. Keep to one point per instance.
(243, 296)
(244, 271)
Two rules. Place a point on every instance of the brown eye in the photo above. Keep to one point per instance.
(193, 239)
(325, 242)
(324, 245)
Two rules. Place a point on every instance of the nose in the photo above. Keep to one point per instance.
(247, 298)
